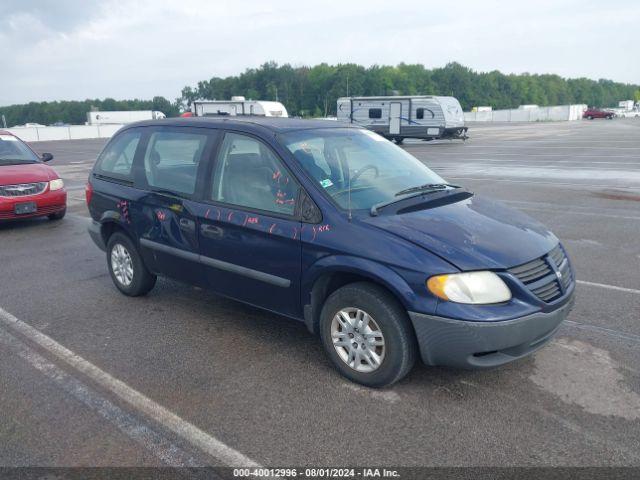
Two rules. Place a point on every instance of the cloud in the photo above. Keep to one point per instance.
(67, 49)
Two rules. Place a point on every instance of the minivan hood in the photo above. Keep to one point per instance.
(26, 173)
(473, 234)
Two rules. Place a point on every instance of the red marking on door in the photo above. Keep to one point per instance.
(229, 216)
(272, 227)
(206, 215)
(161, 215)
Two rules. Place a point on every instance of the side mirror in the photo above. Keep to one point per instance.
(46, 157)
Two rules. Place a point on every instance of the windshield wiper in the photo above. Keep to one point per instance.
(416, 191)
(426, 187)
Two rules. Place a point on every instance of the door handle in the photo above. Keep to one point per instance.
(211, 231)
(188, 225)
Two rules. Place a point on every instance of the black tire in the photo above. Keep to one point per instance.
(398, 140)
(590, 117)
(58, 215)
(142, 281)
(391, 317)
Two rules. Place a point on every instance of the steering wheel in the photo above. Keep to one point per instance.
(358, 173)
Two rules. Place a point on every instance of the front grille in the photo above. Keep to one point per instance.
(541, 278)
(22, 189)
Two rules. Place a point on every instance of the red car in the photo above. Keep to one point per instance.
(28, 187)
(592, 113)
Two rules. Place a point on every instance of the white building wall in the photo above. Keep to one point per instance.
(73, 132)
(554, 113)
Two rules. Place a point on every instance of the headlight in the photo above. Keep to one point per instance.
(56, 184)
(472, 287)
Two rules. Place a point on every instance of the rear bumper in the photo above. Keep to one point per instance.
(477, 345)
(47, 203)
(95, 232)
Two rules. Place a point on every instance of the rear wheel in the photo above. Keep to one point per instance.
(58, 215)
(367, 335)
(127, 270)
(590, 117)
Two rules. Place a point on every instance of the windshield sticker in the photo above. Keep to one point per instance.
(326, 183)
(375, 136)
(8, 138)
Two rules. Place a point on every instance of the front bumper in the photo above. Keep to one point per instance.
(47, 203)
(477, 345)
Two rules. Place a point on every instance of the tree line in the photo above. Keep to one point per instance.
(313, 91)
(74, 112)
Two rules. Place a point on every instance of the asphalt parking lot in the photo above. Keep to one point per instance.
(183, 377)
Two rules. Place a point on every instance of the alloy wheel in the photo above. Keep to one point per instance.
(358, 340)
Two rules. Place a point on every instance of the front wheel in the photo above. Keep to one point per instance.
(367, 335)
(127, 270)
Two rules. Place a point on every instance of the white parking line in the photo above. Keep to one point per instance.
(138, 431)
(609, 287)
(192, 434)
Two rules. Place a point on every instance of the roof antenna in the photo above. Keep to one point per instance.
(349, 195)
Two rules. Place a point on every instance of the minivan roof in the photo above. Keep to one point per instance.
(273, 124)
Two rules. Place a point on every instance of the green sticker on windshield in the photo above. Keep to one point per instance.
(326, 183)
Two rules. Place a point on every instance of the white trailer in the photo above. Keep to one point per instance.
(122, 116)
(398, 117)
(238, 106)
(627, 108)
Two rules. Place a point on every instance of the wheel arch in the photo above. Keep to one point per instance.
(332, 273)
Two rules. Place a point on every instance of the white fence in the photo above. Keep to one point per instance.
(72, 132)
(556, 113)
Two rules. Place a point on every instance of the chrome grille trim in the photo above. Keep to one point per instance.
(22, 189)
(540, 276)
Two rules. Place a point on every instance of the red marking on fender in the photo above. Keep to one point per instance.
(272, 227)
(314, 234)
(161, 215)
(253, 220)
(323, 228)
(246, 217)
(229, 216)
(206, 215)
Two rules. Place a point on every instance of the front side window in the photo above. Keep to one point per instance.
(248, 174)
(14, 152)
(172, 158)
(373, 168)
(420, 113)
(116, 160)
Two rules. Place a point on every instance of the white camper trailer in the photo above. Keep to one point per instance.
(122, 116)
(425, 116)
(238, 106)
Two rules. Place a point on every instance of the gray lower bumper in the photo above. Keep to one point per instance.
(96, 234)
(463, 344)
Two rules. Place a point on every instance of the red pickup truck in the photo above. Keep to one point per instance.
(591, 113)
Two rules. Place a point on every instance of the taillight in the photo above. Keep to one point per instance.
(88, 192)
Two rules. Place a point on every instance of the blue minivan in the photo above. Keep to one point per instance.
(334, 226)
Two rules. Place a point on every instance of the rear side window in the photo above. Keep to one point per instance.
(172, 158)
(375, 113)
(420, 113)
(116, 160)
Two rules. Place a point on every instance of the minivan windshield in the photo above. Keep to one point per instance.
(376, 170)
(14, 152)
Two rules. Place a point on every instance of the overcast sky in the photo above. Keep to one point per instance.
(76, 49)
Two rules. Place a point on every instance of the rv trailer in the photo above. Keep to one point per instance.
(396, 118)
(238, 106)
